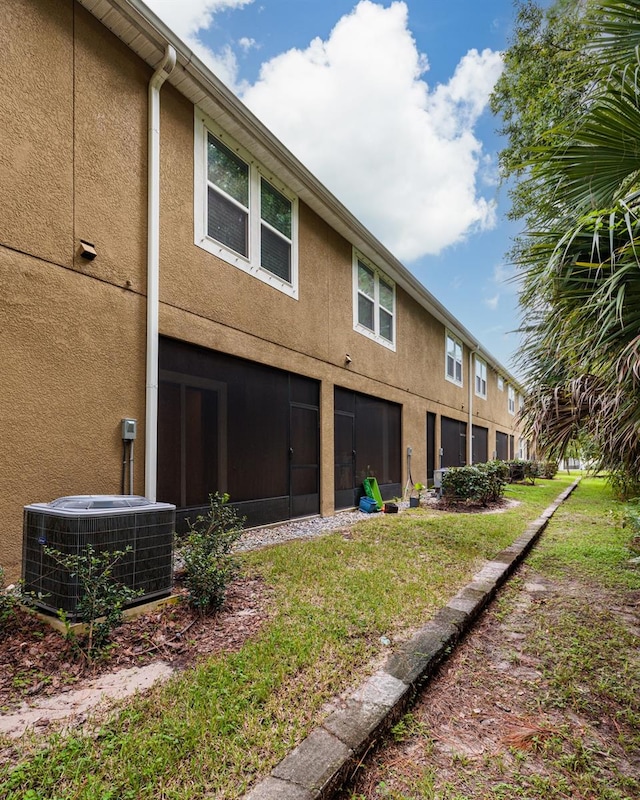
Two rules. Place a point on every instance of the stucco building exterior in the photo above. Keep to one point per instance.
(264, 341)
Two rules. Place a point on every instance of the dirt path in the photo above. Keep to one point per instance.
(493, 724)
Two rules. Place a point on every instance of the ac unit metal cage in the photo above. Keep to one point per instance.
(107, 522)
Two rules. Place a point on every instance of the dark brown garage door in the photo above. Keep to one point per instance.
(454, 442)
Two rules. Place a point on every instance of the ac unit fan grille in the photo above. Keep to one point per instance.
(148, 566)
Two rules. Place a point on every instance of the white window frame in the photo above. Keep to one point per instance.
(500, 383)
(481, 378)
(522, 449)
(378, 274)
(250, 264)
(511, 399)
(456, 346)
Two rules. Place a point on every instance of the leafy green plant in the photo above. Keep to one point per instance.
(625, 487)
(102, 597)
(462, 483)
(206, 554)
(482, 483)
(631, 520)
(8, 604)
(522, 470)
(497, 474)
(547, 469)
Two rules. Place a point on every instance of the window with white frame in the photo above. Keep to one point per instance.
(243, 213)
(511, 399)
(374, 306)
(522, 449)
(501, 383)
(481, 378)
(453, 369)
(520, 402)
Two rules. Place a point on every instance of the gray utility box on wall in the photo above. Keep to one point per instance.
(107, 522)
(437, 478)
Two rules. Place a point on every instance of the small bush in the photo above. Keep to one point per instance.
(547, 469)
(632, 516)
(631, 520)
(523, 471)
(624, 486)
(101, 600)
(206, 554)
(498, 476)
(482, 483)
(8, 604)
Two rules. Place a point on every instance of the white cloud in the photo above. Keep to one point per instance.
(506, 277)
(503, 283)
(492, 302)
(246, 43)
(401, 156)
(188, 18)
(356, 109)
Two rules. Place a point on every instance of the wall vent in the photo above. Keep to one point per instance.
(108, 522)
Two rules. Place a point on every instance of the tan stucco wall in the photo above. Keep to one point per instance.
(110, 154)
(36, 128)
(72, 166)
(73, 332)
(72, 369)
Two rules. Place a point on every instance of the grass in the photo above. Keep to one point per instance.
(583, 710)
(216, 729)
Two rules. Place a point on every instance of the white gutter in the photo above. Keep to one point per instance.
(153, 272)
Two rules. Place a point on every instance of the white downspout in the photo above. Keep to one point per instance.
(472, 377)
(153, 272)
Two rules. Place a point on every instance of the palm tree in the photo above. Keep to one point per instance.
(581, 260)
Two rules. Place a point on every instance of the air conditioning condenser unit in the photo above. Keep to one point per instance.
(107, 522)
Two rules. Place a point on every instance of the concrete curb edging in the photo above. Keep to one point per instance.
(327, 757)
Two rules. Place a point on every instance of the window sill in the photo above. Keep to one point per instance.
(236, 260)
(375, 337)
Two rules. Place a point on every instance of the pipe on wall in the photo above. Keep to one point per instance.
(472, 380)
(153, 271)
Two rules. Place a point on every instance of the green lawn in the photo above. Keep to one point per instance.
(214, 730)
(577, 704)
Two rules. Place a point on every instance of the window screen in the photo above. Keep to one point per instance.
(227, 196)
(275, 231)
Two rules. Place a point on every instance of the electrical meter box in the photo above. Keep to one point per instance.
(129, 429)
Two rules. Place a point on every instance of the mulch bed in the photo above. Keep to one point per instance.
(467, 506)
(36, 660)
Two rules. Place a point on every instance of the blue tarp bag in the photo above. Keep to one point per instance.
(368, 505)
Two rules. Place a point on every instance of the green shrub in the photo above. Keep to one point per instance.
(631, 520)
(482, 483)
(547, 469)
(101, 599)
(8, 604)
(208, 562)
(624, 486)
(521, 470)
(498, 476)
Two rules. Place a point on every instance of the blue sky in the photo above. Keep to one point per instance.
(386, 103)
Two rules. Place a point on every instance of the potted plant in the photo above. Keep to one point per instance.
(414, 499)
